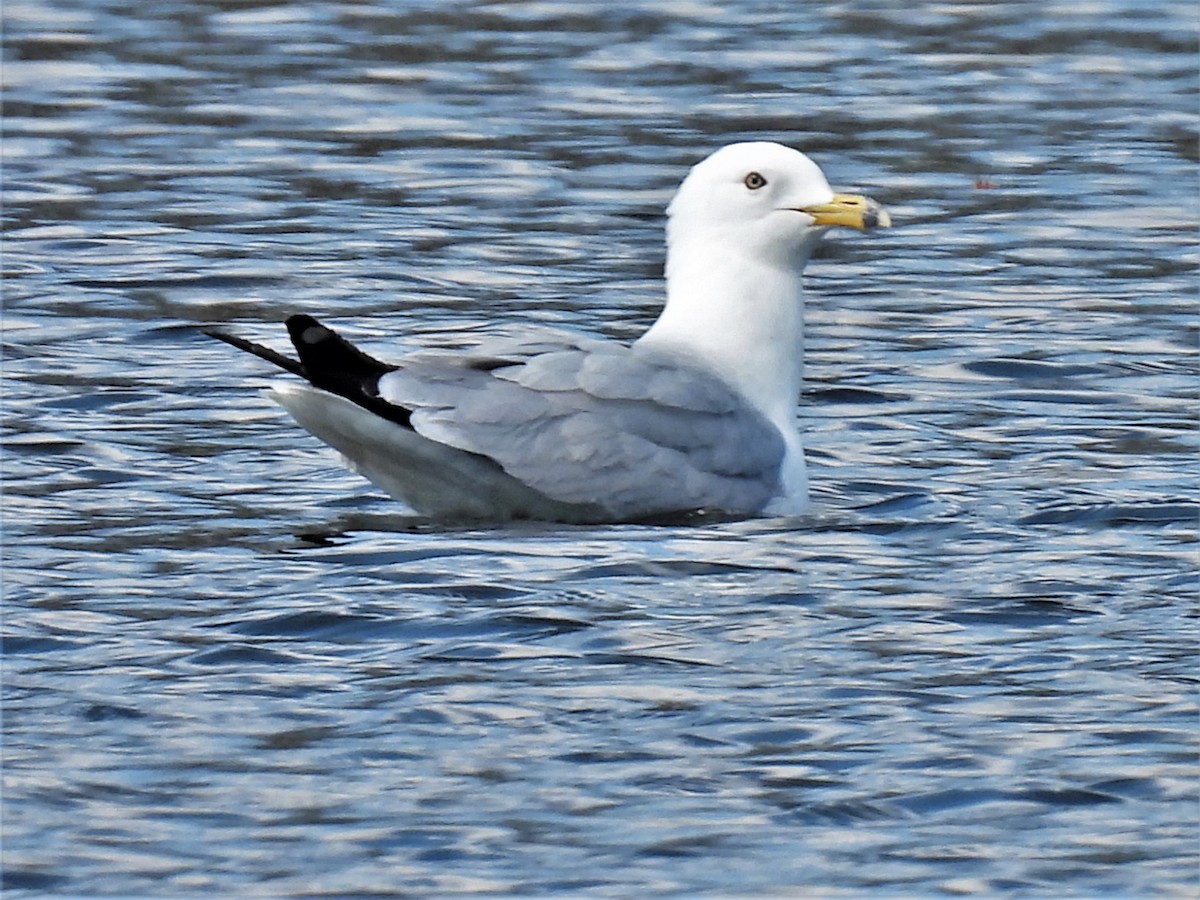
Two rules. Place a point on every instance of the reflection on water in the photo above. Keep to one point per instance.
(230, 666)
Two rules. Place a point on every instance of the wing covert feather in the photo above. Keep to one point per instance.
(605, 424)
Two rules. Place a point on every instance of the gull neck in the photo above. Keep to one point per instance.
(742, 317)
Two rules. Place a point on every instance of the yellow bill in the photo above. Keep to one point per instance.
(851, 211)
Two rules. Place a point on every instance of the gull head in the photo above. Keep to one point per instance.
(740, 230)
(762, 200)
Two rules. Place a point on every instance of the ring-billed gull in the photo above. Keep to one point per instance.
(698, 414)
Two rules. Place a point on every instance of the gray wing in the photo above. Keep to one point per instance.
(598, 422)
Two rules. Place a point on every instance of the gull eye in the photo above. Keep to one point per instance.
(754, 181)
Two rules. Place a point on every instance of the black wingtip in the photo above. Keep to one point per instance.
(306, 330)
(329, 362)
(275, 358)
(333, 364)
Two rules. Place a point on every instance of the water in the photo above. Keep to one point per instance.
(232, 668)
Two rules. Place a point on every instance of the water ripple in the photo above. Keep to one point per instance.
(970, 670)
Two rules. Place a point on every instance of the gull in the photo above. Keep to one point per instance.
(698, 415)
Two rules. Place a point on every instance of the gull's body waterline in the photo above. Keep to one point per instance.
(698, 415)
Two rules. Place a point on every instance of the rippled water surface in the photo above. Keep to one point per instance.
(232, 668)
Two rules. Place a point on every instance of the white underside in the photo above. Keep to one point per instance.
(792, 499)
(445, 483)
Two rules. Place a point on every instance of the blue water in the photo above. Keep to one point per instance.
(233, 668)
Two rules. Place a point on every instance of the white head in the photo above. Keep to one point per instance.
(739, 232)
(764, 200)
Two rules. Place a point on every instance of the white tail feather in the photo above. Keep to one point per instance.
(432, 478)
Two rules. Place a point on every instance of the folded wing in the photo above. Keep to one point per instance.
(599, 423)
